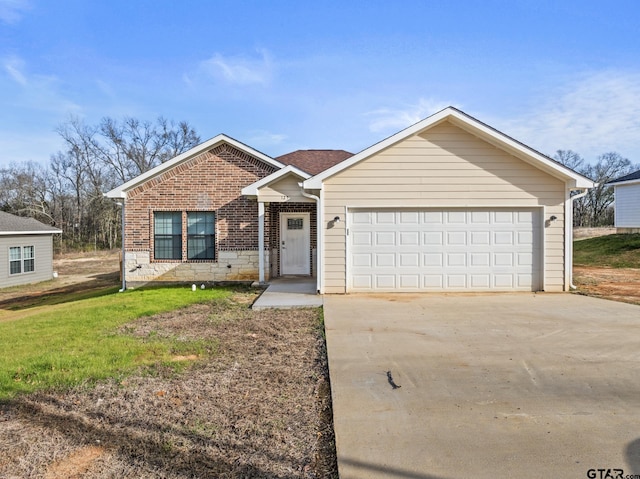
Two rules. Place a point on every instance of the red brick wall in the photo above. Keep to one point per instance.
(212, 181)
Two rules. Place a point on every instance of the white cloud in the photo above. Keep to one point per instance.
(262, 138)
(11, 11)
(593, 114)
(238, 70)
(393, 120)
(15, 66)
(37, 92)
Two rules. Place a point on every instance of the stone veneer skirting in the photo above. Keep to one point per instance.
(230, 266)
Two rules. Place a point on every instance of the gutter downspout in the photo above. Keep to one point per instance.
(319, 236)
(124, 270)
(570, 240)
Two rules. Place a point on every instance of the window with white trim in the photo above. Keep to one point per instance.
(21, 259)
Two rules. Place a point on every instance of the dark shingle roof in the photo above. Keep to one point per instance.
(16, 224)
(631, 176)
(314, 161)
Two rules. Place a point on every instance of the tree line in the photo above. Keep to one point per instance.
(68, 192)
(596, 208)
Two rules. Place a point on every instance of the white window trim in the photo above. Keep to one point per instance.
(22, 260)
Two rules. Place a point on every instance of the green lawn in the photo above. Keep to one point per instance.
(616, 251)
(66, 344)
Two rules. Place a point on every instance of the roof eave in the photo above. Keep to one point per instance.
(471, 125)
(624, 183)
(120, 191)
(252, 189)
(15, 233)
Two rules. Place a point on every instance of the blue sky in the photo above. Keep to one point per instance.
(284, 75)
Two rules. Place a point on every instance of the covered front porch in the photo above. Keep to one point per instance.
(287, 226)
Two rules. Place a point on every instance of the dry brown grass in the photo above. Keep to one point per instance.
(617, 284)
(260, 407)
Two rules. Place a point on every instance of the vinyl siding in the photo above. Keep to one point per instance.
(443, 167)
(43, 255)
(627, 206)
(283, 190)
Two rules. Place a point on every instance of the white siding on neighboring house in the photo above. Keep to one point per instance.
(444, 167)
(627, 206)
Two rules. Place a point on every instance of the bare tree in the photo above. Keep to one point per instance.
(595, 208)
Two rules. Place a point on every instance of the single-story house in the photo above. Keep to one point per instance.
(26, 250)
(448, 204)
(626, 191)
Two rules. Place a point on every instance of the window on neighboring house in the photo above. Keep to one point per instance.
(27, 259)
(168, 235)
(201, 227)
(21, 259)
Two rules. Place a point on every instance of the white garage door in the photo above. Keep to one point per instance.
(451, 250)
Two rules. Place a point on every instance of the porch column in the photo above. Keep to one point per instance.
(261, 242)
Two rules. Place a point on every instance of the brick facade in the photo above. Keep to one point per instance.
(211, 181)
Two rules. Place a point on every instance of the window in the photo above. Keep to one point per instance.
(27, 258)
(168, 235)
(21, 259)
(201, 235)
(15, 260)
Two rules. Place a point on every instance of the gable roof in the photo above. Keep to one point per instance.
(12, 225)
(314, 161)
(121, 191)
(252, 189)
(476, 128)
(630, 178)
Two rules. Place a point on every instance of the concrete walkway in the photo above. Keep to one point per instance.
(290, 292)
(484, 385)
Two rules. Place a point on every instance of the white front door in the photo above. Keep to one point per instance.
(295, 243)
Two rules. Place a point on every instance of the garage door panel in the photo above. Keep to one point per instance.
(480, 281)
(409, 238)
(362, 260)
(385, 281)
(457, 250)
(362, 238)
(456, 238)
(385, 260)
(433, 238)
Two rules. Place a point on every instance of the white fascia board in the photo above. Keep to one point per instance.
(624, 183)
(19, 233)
(120, 191)
(471, 125)
(252, 189)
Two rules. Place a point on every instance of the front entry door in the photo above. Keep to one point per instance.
(295, 243)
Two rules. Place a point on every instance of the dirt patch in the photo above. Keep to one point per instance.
(617, 284)
(75, 465)
(260, 407)
(584, 233)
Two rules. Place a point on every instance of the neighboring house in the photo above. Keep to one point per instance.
(448, 204)
(26, 250)
(626, 191)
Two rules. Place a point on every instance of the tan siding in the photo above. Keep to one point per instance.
(443, 167)
(286, 189)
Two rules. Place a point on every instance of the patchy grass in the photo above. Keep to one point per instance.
(66, 344)
(615, 251)
(259, 407)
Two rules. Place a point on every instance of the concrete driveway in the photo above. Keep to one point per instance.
(491, 385)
